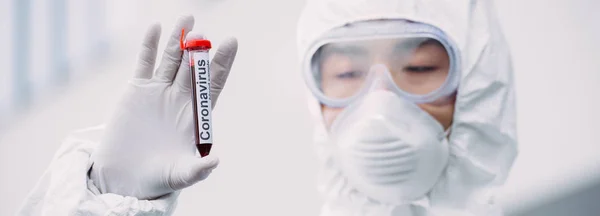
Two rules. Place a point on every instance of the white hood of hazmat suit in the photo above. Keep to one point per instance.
(483, 139)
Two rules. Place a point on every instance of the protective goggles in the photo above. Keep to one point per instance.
(414, 60)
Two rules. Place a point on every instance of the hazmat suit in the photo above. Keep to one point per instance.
(481, 143)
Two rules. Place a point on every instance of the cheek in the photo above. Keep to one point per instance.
(329, 115)
(443, 112)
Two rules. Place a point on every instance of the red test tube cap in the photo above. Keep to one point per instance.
(194, 43)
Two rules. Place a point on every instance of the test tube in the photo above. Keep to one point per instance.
(201, 100)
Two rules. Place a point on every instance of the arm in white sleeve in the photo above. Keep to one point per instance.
(65, 188)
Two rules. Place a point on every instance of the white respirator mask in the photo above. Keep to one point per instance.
(389, 149)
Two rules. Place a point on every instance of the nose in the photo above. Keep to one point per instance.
(379, 71)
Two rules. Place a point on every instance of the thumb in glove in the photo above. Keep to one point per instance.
(189, 170)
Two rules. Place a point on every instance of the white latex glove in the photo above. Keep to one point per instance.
(148, 149)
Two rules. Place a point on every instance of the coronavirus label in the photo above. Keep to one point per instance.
(202, 97)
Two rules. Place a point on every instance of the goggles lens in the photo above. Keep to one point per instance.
(417, 66)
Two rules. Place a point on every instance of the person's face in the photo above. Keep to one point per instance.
(420, 72)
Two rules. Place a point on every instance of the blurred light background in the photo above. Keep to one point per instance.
(64, 63)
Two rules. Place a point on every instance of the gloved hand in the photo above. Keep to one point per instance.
(148, 147)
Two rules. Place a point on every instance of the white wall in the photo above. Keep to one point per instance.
(5, 78)
(556, 52)
(267, 160)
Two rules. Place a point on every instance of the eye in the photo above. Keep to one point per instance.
(349, 75)
(420, 69)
